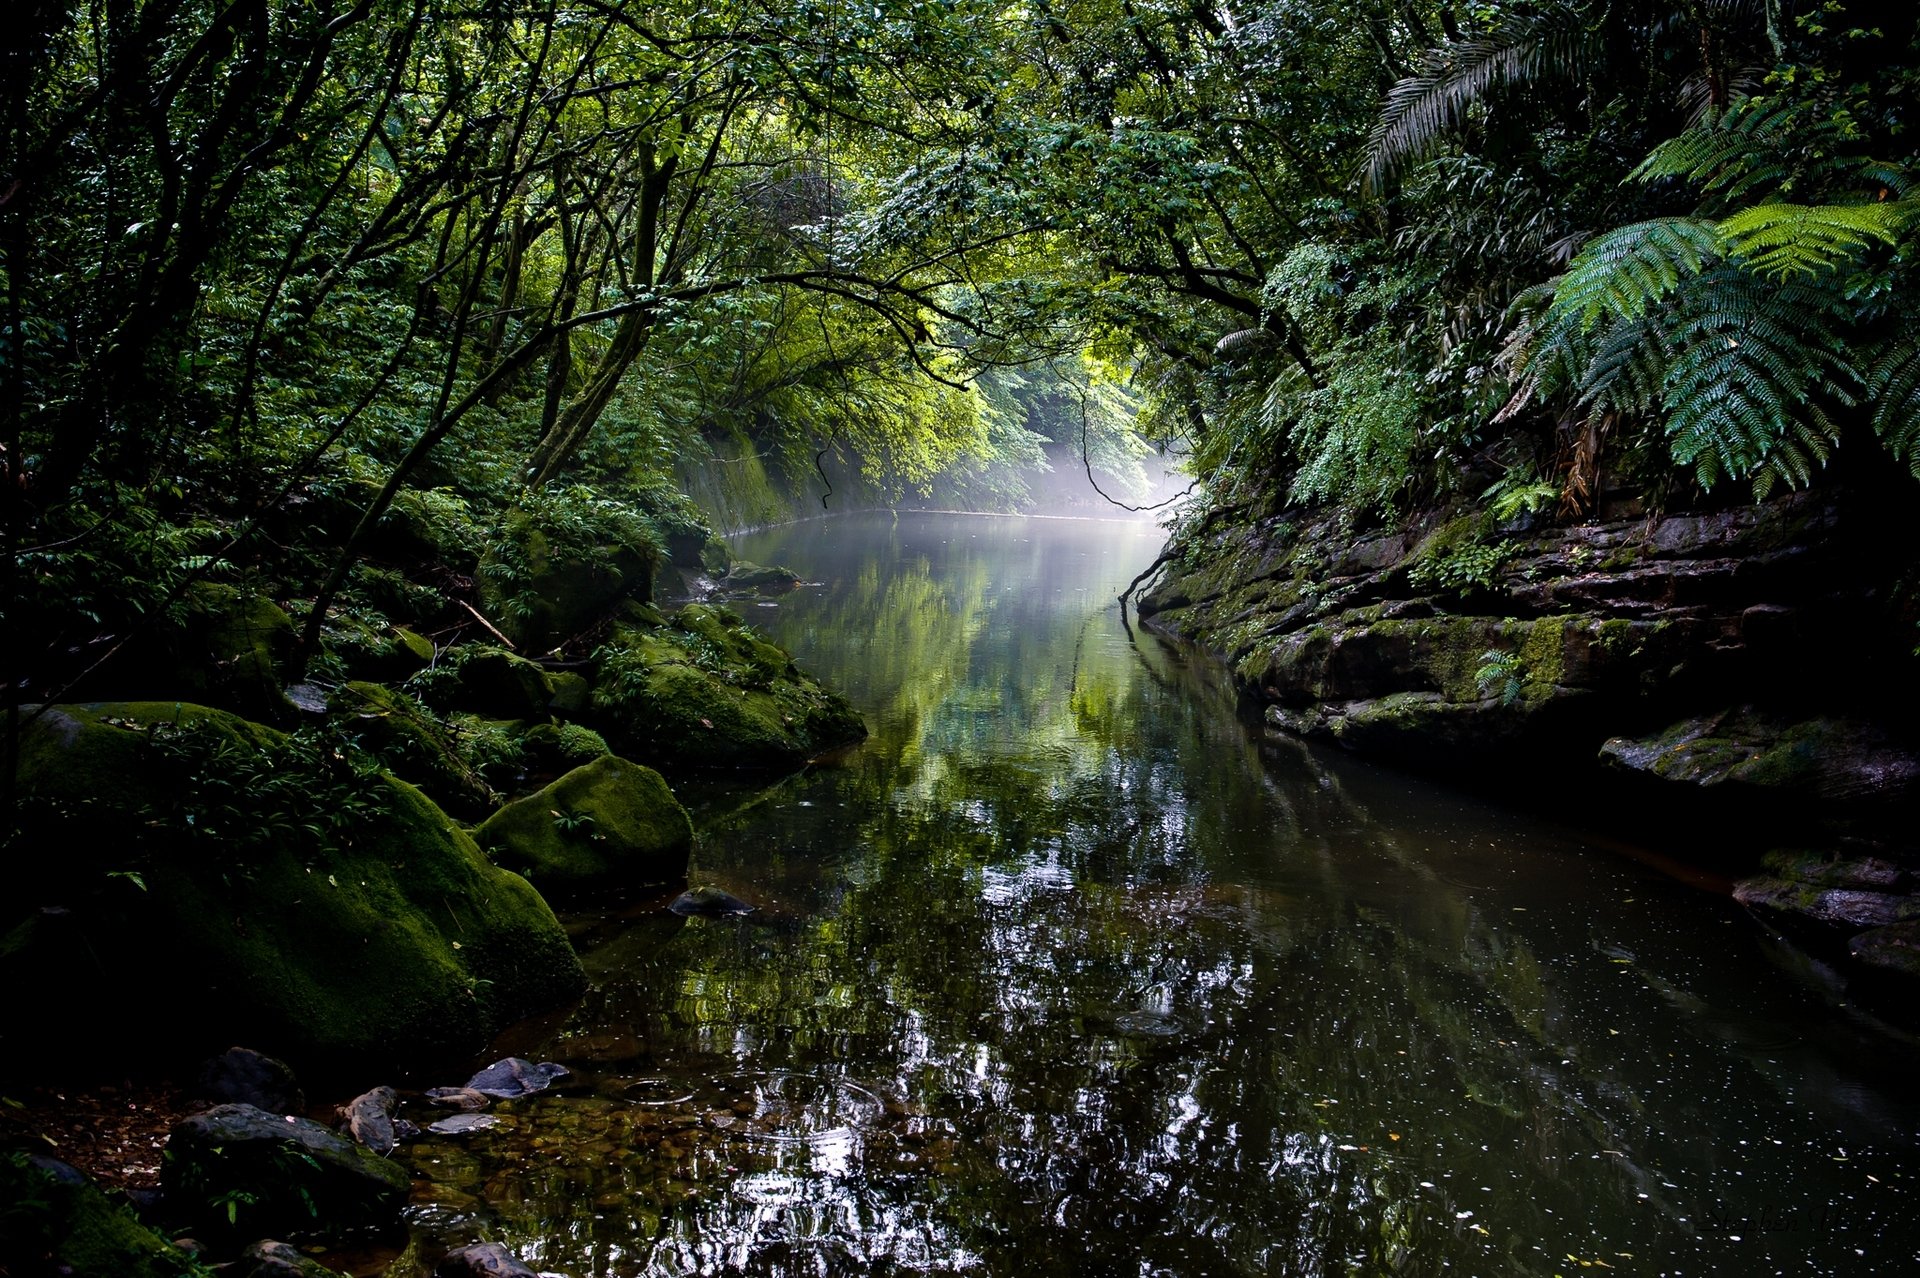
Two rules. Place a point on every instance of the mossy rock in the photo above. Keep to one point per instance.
(610, 823)
(238, 891)
(412, 744)
(705, 691)
(486, 681)
(545, 579)
(748, 578)
(53, 1220)
(561, 747)
(278, 1174)
(224, 652)
(367, 651)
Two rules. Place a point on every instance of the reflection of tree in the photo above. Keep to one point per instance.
(1141, 1002)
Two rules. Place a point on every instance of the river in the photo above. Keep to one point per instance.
(1064, 972)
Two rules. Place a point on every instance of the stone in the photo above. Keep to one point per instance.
(703, 691)
(57, 1221)
(1890, 951)
(463, 1124)
(516, 1076)
(369, 1118)
(544, 581)
(494, 683)
(412, 744)
(708, 902)
(461, 1098)
(243, 1076)
(269, 1258)
(482, 1260)
(750, 578)
(608, 823)
(240, 1169)
(392, 943)
(1827, 759)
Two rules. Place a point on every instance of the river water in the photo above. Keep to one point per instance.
(1063, 973)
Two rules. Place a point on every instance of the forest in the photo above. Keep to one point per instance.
(1527, 389)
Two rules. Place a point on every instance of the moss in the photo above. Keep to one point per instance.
(705, 691)
(608, 823)
(487, 681)
(1542, 657)
(560, 564)
(562, 746)
(391, 941)
(571, 692)
(53, 1220)
(411, 743)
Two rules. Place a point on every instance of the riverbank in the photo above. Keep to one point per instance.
(1738, 675)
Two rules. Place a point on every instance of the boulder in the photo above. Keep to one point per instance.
(548, 577)
(745, 578)
(482, 1260)
(188, 876)
(404, 735)
(240, 1169)
(608, 823)
(269, 1258)
(369, 1118)
(487, 681)
(242, 1076)
(705, 691)
(53, 1220)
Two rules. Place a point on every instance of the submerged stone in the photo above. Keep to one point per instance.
(708, 902)
(516, 1076)
(463, 1124)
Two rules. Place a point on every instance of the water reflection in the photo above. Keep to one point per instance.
(1058, 974)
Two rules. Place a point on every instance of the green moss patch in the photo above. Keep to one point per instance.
(610, 823)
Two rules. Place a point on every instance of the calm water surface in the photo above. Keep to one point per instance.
(1058, 974)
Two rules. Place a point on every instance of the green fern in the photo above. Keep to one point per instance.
(1452, 79)
(1621, 273)
(1783, 240)
(1893, 386)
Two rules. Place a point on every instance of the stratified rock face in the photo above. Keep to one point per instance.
(1454, 643)
(243, 1169)
(702, 690)
(607, 824)
(186, 882)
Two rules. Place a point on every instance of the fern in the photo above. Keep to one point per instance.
(1893, 385)
(1453, 78)
(1625, 271)
(1754, 367)
(1783, 240)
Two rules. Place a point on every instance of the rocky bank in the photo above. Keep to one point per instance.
(1744, 674)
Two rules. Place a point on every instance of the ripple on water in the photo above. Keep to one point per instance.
(1148, 1025)
(795, 1107)
(655, 1092)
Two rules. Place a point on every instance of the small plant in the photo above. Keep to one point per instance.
(572, 821)
(1469, 566)
(1502, 675)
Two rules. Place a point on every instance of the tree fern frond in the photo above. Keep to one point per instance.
(1452, 78)
(1753, 366)
(1893, 386)
(1782, 240)
(1743, 151)
(1621, 273)
(1628, 368)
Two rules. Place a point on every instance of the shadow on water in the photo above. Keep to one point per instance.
(1061, 974)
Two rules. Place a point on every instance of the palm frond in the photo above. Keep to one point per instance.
(1451, 79)
(1784, 240)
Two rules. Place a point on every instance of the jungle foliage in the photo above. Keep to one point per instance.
(297, 291)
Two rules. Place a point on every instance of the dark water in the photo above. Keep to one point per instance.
(1059, 975)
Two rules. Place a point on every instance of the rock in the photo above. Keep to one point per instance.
(516, 1076)
(561, 747)
(461, 1098)
(482, 1260)
(404, 735)
(1826, 760)
(708, 902)
(704, 691)
(1891, 952)
(389, 942)
(491, 682)
(1839, 908)
(242, 1076)
(271, 1259)
(56, 1221)
(749, 578)
(609, 823)
(240, 1169)
(463, 1124)
(546, 579)
(225, 653)
(369, 1118)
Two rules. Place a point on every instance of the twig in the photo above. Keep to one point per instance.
(491, 628)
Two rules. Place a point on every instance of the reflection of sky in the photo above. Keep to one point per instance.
(1131, 1000)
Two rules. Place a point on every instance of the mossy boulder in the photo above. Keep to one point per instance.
(224, 651)
(486, 681)
(560, 747)
(53, 1220)
(240, 1170)
(190, 878)
(745, 578)
(412, 744)
(556, 568)
(705, 691)
(368, 651)
(610, 823)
